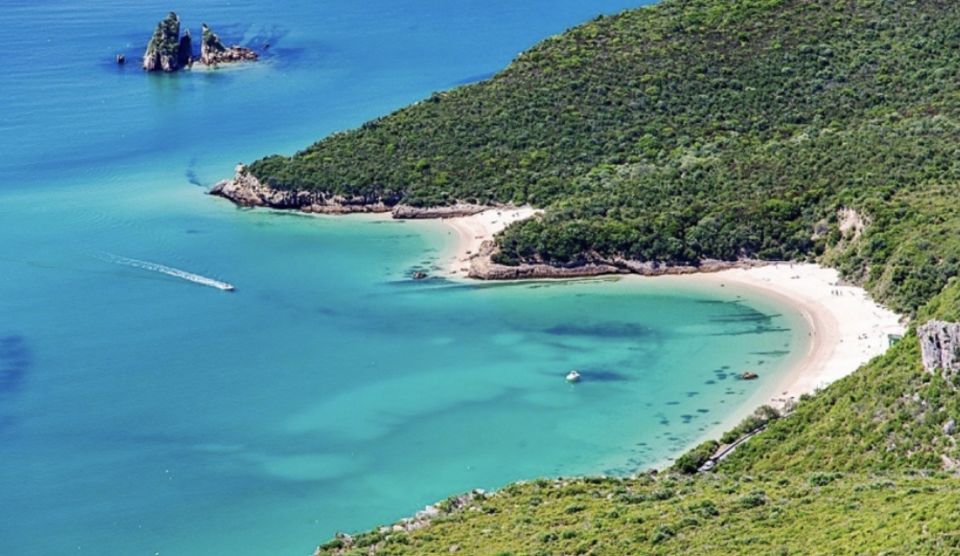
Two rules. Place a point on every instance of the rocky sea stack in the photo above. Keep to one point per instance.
(168, 51)
(213, 52)
(163, 50)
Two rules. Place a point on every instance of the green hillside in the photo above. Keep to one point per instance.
(715, 129)
(695, 129)
(796, 513)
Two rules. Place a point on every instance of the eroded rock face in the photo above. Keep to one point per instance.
(246, 190)
(940, 347)
(213, 52)
(452, 211)
(163, 50)
(169, 52)
(185, 50)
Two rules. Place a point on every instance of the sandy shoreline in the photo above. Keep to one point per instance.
(847, 327)
(472, 231)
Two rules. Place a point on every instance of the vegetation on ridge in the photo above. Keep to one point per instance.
(166, 37)
(696, 129)
(800, 513)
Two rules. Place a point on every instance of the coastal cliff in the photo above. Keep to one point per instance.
(940, 347)
(169, 52)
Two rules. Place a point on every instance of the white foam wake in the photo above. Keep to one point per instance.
(170, 271)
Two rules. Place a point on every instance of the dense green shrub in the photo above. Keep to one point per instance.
(691, 461)
(751, 423)
(696, 129)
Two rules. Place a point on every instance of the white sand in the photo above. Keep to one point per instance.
(472, 231)
(847, 327)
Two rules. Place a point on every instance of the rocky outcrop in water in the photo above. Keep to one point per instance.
(163, 50)
(167, 51)
(940, 347)
(213, 52)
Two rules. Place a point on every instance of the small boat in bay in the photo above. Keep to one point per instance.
(573, 376)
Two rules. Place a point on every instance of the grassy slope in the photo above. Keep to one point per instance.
(796, 513)
(713, 128)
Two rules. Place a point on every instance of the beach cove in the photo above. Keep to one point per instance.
(146, 413)
(845, 327)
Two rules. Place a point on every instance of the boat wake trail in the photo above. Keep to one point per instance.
(170, 271)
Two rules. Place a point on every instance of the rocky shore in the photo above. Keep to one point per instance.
(245, 190)
(213, 52)
(482, 267)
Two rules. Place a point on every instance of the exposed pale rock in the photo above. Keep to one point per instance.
(213, 52)
(852, 223)
(940, 347)
(169, 52)
(164, 47)
(450, 211)
(483, 268)
(246, 190)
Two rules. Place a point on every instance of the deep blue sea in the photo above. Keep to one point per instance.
(141, 413)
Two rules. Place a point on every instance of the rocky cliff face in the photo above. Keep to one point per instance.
(940, 347)
(185, 50)
(169, 52)
(163, 50)
(213, 52)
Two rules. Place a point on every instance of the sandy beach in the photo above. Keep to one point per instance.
(847, 327)
(472, 231)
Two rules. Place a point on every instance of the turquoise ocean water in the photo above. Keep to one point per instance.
(141, 413)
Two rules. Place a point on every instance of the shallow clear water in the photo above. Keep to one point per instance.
(141, 413)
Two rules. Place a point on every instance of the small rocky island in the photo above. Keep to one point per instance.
(168, 51)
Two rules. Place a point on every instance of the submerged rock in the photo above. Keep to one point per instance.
(163, 50)
(213, 52)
